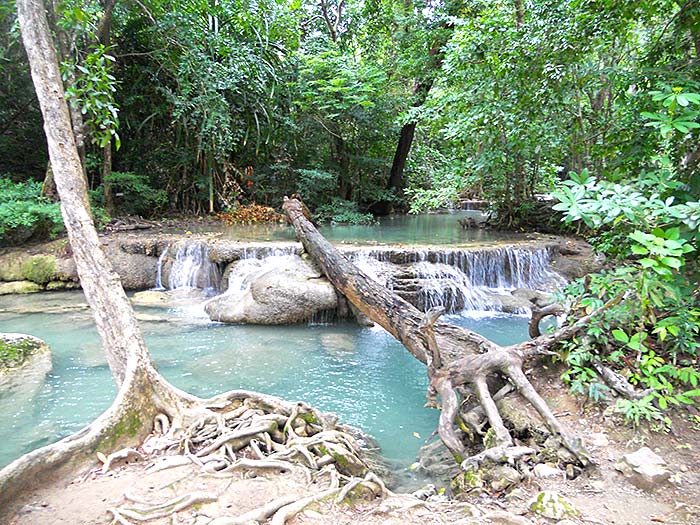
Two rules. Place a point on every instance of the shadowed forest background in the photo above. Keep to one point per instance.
(359, 106)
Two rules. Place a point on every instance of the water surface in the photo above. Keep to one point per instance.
(362, 374)
(436, 229)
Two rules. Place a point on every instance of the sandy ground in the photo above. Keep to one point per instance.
(602, 495)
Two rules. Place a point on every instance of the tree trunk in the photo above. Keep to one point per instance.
(142, 391)
(456, 357)
(403, 148)
(408, 130)
(145, 401)
(104, 37)
(48, 188)
(108, 191)
(76, 117)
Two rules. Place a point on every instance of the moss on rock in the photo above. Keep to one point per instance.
(15, 349)
(40, 269)
(18, 287)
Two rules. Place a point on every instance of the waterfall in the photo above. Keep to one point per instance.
(159, 270)
(448, 286)
(193, 269)
(459, 280)
(262, 252)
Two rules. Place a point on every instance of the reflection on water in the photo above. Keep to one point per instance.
(362, 374)
(441, 228)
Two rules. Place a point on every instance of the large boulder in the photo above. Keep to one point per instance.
(277, 290)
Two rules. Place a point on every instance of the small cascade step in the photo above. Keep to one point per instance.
(457, 279)
(192, 268)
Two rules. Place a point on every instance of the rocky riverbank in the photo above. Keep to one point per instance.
(276, 285)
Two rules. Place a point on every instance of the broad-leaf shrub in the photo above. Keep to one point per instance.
(25, 215)
(650, 226)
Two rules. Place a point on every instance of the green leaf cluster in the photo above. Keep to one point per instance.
(24, 214)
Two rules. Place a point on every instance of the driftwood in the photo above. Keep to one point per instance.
(458, 360)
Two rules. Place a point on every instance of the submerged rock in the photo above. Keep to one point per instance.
(644, 469)
(278, 290)
(24, 362)
(436, 462)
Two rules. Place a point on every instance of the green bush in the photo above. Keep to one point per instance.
(315, 186)
(340, 211)
(134, 195)
(25, 215)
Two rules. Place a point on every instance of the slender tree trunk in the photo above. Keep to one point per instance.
(403, 148)
(519, 13)
(113, 314)
(76, 117)
(343, 160)
(104, 37)
(48, 188)
(107, 189)
(408, 131)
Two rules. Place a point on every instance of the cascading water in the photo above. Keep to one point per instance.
(193, 269)
(461, 280)
(449, 287)
(159, 270)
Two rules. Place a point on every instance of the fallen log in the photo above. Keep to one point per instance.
(457, 359)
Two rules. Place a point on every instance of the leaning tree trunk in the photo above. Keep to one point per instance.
(456, 357)
(145, 401)
(142, 393)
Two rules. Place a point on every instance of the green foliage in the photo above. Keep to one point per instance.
(340, 211)
(677, 114)
(435, 180)
(650, 223)
(315, 186)
(133, 194)
(92, 90)
(25, 215)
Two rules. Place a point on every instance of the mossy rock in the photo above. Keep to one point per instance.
(16, 349)
(62, 285)
(11, 266)
(19, 287)
(553, 505)
(40, 269)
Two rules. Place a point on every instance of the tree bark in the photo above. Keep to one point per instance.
(113, 314)
(108, 191)
(104, 37)
(398, 165)
(456, 357)
(142, 391)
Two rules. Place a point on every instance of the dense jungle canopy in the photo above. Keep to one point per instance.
(359, 105)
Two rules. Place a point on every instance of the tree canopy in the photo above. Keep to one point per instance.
(353, 103)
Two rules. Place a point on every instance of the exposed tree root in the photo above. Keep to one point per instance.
(147, 512)
(538, 314)
(243, 432)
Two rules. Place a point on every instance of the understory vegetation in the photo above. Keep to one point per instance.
(361, 107)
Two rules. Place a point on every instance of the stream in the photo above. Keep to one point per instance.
(361, 374)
